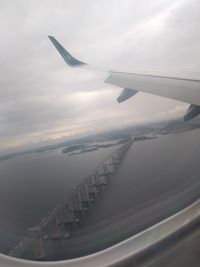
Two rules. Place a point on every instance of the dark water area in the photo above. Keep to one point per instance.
(157, 178)
(34, 184)
(152, 169)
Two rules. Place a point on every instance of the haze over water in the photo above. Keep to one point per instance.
(32, 185)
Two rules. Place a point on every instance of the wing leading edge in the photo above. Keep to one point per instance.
(185, 90)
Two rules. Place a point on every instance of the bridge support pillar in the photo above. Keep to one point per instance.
(97, 183)
(55, 229)
(38, 246)
(84, 198)
(68, 215)
(77, 207)
(91, 190)
(93, 184)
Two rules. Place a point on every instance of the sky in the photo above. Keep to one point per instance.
(42, 99)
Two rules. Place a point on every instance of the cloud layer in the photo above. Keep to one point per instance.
(41, 98)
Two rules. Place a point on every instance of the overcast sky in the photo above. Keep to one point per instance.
(42, 98)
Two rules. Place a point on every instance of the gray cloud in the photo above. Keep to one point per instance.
(40, 97)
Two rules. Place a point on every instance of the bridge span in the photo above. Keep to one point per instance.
(60, 221)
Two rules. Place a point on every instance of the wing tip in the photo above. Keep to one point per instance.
(68, 58)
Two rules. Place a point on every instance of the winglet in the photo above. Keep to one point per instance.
(68, 58)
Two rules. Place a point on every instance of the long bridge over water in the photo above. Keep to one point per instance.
(70, 212)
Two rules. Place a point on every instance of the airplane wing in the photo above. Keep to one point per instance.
(185, 90)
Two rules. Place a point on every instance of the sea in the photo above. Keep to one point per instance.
(31, 185)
